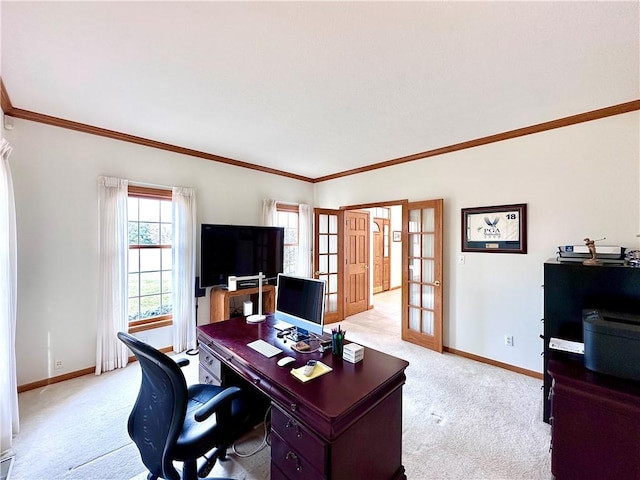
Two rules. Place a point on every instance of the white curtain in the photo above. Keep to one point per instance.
(303, 264)
(113, 251)
(9, 422)
(184, 268)
(270, 218)
(269, 213)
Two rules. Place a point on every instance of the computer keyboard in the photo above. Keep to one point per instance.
(264, 348)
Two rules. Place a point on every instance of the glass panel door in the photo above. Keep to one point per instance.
(422, 319)
(327, 259)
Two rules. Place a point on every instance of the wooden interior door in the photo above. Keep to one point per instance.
(378, 247)
(386, 254)
(422, 290)
(356, 236)
(328, 259)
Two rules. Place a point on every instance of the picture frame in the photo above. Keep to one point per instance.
(397, 236)
(497, 229)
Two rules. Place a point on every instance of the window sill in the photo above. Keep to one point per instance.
(150, 324)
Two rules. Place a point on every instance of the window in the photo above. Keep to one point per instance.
(288, 218)
(150, 269)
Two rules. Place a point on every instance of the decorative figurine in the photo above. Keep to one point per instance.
(591, 245)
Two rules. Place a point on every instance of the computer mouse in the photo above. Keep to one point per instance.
(285, 361)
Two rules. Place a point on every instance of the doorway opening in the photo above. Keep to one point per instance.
(346, 249)
(384, 292)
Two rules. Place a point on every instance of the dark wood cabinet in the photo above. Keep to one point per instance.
(595, 424)
(571, 287)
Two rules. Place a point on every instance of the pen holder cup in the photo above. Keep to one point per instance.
(337, 344)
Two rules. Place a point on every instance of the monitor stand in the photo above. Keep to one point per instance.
(297, 334)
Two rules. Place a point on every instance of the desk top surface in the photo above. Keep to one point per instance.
(333, 394)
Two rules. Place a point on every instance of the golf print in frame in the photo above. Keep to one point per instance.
(499, 229)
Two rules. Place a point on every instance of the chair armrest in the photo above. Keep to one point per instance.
(216, 402)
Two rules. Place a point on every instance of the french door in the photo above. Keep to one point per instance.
(328, 259)
(422, 290)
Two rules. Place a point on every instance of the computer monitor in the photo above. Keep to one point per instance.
(300, 302)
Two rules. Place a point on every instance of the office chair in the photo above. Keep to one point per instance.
(170, 422)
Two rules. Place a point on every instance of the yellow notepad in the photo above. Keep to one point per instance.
(320, 369)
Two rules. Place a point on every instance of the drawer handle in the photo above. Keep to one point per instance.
(294, 407)
(292, 456)
(208, 360)
(294, 424)
(256, 381)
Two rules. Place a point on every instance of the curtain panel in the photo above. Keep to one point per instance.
(9, 419)
(269, 213)
(303, 263)
(113, 253)
(184, 268)
(305, 229)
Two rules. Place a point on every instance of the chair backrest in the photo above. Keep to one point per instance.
(158, 415)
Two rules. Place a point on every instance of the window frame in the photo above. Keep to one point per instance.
(291, 208)
(161, 320)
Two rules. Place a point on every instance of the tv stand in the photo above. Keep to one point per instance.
(220, 298)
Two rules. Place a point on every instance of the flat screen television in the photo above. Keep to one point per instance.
(300, 302)
(239, 250)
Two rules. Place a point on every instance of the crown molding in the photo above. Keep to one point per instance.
(520, 132)
(589, 116)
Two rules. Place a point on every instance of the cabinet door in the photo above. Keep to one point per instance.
(593, 438)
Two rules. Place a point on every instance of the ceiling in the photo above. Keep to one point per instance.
(318, 88)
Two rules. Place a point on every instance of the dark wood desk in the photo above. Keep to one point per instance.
(346, 424)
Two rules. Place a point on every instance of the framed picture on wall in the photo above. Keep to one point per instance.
(397, 236)
(499, 229)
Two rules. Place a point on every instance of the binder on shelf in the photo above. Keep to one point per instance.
(604, 261)
(603, 252)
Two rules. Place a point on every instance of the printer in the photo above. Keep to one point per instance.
(612, 343)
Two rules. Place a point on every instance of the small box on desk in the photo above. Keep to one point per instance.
(353, 352)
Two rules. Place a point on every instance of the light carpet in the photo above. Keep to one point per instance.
(462, 419)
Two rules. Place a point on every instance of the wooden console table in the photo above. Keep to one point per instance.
(346, 424)
(220, 298)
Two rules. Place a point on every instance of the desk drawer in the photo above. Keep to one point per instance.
(209, 361)
(210, 367)
(299, 438)
(205, 376)
(290, 462)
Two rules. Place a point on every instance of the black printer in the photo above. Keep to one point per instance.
(612, 343)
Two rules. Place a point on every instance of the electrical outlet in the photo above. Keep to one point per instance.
(508, 340)
(461, 259)
(57, 364)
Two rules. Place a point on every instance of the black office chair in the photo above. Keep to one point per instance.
(170, 422)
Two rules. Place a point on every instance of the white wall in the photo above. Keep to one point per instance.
(55, 175)
(578, 181)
